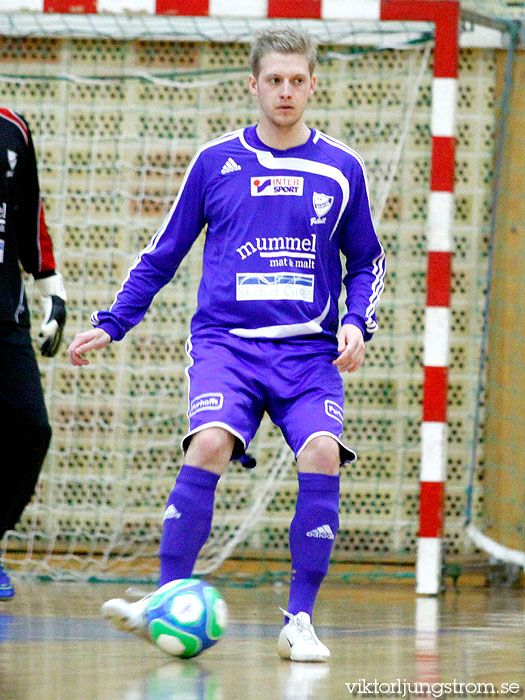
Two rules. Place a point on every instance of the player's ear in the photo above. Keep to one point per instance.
(252, 85)
(313, 82)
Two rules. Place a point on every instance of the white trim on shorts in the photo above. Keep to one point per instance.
(347, 455)
(213, 424)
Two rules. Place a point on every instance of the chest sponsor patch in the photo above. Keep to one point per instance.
(334, 411)
(274, 286)
(206, 402)
(276, 186)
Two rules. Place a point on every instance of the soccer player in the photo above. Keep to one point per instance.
(24, 427)
(281, 201)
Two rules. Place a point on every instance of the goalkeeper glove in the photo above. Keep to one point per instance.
(54, 302)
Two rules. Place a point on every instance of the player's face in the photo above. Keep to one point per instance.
(283, 87)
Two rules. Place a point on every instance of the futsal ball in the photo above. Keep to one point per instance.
(185, 617)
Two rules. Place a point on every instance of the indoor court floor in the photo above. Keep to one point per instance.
(55, 646)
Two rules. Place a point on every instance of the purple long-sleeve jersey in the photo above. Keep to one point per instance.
(277, 221)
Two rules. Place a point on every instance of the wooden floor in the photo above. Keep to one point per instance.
(55, 646)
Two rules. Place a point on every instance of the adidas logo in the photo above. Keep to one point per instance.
(323, 532)
(171, 512)
(230, 167)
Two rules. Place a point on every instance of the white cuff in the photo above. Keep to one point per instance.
(52, 286)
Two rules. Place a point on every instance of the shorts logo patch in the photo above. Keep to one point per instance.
(276, 186)
(334, 411)
(206, 402)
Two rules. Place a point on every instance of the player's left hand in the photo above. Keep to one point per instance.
(351, 348)
(54, 303)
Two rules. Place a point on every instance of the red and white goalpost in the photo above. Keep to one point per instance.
(436, 344)
(444, 14)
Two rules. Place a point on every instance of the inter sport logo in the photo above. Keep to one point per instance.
(276, 186)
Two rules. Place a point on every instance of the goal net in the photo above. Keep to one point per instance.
(117, 110)
(498, 529)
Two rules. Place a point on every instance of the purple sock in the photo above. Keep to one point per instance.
(312, 533)
(187, 522)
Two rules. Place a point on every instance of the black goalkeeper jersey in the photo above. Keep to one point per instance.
(24, 240)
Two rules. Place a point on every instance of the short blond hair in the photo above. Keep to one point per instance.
(282, 39)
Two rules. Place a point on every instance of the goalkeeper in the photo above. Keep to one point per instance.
(281, 201)
(24, 241)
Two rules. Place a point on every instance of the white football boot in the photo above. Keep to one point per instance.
(298, 641)
(126, 616)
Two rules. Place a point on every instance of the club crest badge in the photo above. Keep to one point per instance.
(322, 204)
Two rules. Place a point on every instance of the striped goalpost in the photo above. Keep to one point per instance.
(436, 344)
(444, 14)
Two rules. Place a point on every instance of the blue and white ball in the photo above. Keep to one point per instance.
(185, 617)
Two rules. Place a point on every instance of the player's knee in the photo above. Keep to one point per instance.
(211, 447)
(320, 456)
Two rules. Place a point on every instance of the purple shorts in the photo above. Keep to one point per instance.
(233, 381)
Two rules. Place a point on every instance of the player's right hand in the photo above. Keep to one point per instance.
(94, 339)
